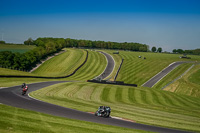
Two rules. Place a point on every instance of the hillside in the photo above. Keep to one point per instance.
(141, 104)
(62, 64)
(139, 70)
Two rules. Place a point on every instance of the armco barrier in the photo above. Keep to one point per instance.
(21, 76)
(112, 82)
(118, 70)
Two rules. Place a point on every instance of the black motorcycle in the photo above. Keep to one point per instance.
(103, 111)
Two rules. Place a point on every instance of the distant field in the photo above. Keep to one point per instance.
(16, 48)
(142, 105)
(22, 121)
(138, 70)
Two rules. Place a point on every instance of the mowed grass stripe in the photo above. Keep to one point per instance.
(21, 120)
(138, 70)
(172, 75)
(94, 66)
(140, 104)
(184, 85)
(62, 64)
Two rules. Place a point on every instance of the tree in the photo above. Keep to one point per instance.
(180, 51)
(2, 42)
(174, 50)
(29, 42)
(159, 50)
(153, 49)
(143, 49)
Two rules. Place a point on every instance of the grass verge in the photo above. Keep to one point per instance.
(137, 70)
(62, 64)
(142, 105)
(18, 120)
(172, 75)
(188, 84)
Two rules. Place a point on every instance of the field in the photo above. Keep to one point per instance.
(62, 64)
(16, 48)
(93, 67)
(22, 121)
(142, 105)
(138, 70)
(177, 106)
(189, 84)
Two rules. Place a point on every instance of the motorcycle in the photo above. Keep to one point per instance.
(103, 111)
(24, 90)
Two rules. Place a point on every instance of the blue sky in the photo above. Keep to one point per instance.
(170, 24)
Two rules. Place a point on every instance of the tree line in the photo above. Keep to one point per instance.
(47, 46)
(154, 49)
(181, 51)
(89, 44)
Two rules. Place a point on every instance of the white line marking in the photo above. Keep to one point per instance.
(165, 75)
(106, 65)
(179, 77)
(2, 88)
(34, 98)
(113, 67)
(158, 73)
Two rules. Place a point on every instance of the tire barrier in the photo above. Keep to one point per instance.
(118, 70)
(21, 76)
(111, 82)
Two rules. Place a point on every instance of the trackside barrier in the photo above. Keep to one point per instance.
(112, 82)
(21, 76)
(118, 70)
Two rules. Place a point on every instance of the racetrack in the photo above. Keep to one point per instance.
(12, 96)
(150, 83)
(109, 68)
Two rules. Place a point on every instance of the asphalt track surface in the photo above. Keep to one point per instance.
(12, 96)
(110, 66)
(150, 83)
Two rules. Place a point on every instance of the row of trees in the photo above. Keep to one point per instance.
(48, 46)
(89, 44)
(180, 51)
(154, 49)
(25, 61)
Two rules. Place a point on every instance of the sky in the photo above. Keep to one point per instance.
(169, 24)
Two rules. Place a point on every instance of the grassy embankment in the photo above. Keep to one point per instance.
(16, 120)
(117, 58)
(138, 70)
(62, 64)
(16, 48)
(173, 75)
(189, 84)
(142, 105)
(94, 66)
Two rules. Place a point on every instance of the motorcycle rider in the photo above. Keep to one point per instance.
(24, 87)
